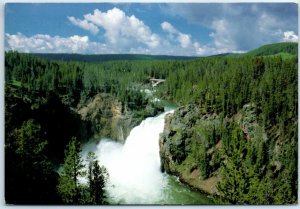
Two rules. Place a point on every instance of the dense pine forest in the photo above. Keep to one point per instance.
(109, 57)
(238, 124)
(251, 146)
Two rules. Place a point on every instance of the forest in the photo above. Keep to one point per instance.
(43, 130)
(109, 57)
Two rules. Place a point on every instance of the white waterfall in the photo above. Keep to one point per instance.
(134, 168)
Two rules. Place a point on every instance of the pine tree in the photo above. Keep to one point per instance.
(30, 178)
(99, 179)
(68, 186)
(91, 157)
(97, 176)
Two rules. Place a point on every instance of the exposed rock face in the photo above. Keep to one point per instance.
(167, 163)
(105, 116)
(190, 144)
(178, 146)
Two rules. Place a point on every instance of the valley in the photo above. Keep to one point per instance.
(230, 135)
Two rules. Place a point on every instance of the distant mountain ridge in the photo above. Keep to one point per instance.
(277, 48)
(285, 49)
(109, 57)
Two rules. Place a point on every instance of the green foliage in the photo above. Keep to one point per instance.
(256, 169)
(254, 157)
(30, 178)
(109, 57)
(204, 164)
(98, 183)
(68, 186)
(74, 192)
(28, 140)
(248, 176)
(272, 49)
(235, 173)
(97, 176)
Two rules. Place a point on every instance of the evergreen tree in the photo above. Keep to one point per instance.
(30, 176)
(91, 157)
(68, 187)
(98, 183)
(97, 176)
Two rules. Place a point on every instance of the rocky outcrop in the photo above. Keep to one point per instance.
(104, 114)
(179, 144)
(107, 117)
(191, 146)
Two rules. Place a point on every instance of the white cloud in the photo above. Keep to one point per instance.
(121, 30)
(43, 43)
(167, 27)
(124, 34)
(238, 26)
(290, 36)
(199, 50)
(84, 24)
(184, 40)
(222, 37)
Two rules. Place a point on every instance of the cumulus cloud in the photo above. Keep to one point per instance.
(198, 49)
(240, 26)
(122, 30)
(43, 43)
(290, 36)
(185, 40)
(182, 38)
(84, 24)
(231, 28)
(122, 34)
(222, 38)
(167, 27)
(130, 34)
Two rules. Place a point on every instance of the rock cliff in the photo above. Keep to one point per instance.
(191, 144)
(179, 144)
(108, 117)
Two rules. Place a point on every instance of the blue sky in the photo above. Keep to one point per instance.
(197, 29)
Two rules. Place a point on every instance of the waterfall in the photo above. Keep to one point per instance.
(134, 168)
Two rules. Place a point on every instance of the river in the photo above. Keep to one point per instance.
(134, 169)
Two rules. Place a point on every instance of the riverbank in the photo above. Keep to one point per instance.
(135, 166)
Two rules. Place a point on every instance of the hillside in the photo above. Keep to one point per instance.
(234, 134)
(284, 49)
(277, 48)
(109, 57)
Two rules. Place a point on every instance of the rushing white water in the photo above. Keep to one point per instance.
(134, 168)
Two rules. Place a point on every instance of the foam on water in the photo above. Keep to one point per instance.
(134, 168)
